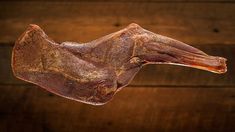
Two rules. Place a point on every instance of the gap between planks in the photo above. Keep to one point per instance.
(126, 1)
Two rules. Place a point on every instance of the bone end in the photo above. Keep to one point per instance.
(222, 66)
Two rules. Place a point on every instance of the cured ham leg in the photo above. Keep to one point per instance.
(93, 72)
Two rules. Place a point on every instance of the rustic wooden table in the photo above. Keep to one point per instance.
(160, 98)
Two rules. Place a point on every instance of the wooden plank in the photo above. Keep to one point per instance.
(27, 108)
(193, 23)
(136, 1)
(156, 75)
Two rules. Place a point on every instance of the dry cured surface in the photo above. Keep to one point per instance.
(94, 72)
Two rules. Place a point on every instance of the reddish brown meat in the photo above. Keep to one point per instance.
(93, 72)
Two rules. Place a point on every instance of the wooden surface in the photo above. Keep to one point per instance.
(133, 109)
(136, 1)
(193, 23)
(160, 98)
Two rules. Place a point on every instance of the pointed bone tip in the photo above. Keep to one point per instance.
(133, 25)
(34, 26)
(32, 29)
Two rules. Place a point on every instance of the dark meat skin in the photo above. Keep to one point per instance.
(94, 72)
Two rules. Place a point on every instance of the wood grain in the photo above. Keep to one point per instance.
(136, 1)
(155, 75)
(193, 23)
(132, 109)
(193, 101)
